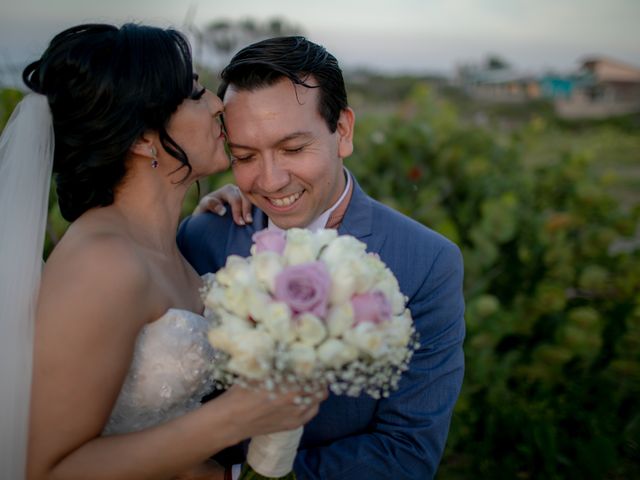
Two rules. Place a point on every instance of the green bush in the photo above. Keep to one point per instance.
(9, 98)
(553, 307)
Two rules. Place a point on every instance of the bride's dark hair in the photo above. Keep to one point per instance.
(106, 86)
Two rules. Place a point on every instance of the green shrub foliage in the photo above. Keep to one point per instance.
(552, 284)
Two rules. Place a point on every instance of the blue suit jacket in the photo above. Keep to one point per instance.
(402, 436)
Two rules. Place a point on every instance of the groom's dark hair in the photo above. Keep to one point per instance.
(305, 63)
(106, 86)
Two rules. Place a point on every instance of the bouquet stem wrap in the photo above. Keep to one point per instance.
(272, 455)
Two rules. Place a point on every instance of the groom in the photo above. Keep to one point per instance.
(289, 128)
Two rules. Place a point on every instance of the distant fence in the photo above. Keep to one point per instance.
(581, 107)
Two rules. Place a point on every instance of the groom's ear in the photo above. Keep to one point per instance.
(346, 122)
(144, 146)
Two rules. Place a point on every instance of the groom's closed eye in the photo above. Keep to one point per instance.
(294, 149)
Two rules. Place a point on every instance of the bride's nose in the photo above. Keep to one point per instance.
(214, 102)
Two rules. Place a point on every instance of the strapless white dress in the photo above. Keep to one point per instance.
(169, 374)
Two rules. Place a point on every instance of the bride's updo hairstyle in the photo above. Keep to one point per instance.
(106, 86)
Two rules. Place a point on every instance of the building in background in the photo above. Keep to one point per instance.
(606, 88)
(602, 87)
(497, 81)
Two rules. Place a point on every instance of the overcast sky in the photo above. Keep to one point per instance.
(392, 35)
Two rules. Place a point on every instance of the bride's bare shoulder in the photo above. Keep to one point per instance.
(99, 255)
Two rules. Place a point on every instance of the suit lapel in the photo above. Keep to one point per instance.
(358, 220)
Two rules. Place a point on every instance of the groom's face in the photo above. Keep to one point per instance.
(284, 158)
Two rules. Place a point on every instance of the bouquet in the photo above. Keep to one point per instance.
(308, 310)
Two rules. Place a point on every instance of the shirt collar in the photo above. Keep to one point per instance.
(321, 221)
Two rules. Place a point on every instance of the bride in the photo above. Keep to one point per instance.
(120, 353)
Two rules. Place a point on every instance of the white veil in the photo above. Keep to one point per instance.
(26, 158)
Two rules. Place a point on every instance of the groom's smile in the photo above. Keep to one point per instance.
(285, 201)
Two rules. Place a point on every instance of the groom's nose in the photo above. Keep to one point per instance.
(272, 176)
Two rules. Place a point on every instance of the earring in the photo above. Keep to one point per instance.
(154, 161)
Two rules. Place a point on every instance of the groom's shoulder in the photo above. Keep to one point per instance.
(204, 225)
(203, 238)
(419, 256)
(395, 226)
(404, 230)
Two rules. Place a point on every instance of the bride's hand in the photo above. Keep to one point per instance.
(257, 412)
(230, 195)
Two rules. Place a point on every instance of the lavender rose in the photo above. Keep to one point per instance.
(305, 288)
(371, 307)
(269, 241)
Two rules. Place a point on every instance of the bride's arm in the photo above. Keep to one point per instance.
(93, 302)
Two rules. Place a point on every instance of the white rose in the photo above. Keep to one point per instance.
(234, 323)
(343, 284)
(325, 236)
(266, 266)
(335, 353)
(248, 365)
(237, 271)
(310, 330)
(372, 270)
(252, 354)
(342, 250)
(272, 309)
(350, 278)
(208, 279)
(214, 297)
(398, 301)
(399, 329)
(277, 320)
(365, 270)
(221, 338)
(340, 319)
(226, 335)
(300, 247)
(235, 300)
(367, 338)
(302, 358)
(257, 302)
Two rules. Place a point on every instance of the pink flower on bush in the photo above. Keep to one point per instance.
(269, 241)
(305, 288)
(371, 307)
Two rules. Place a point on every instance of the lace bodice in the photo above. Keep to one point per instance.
(169, 373)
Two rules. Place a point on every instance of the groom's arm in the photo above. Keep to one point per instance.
(202, 240)
(409, 430)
